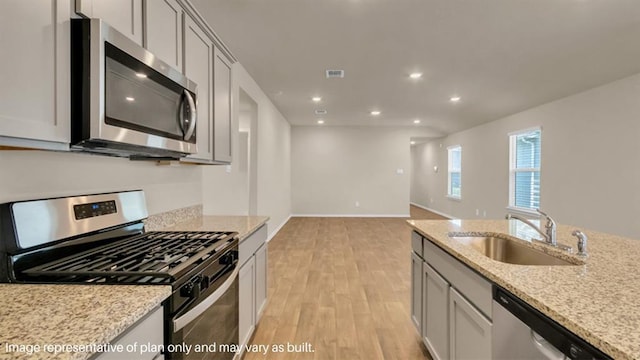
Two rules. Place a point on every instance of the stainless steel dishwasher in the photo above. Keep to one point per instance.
(522, 332)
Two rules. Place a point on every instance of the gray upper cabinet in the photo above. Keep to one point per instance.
(222, 108)
(123, 15)
(34, 98)
(38, 116)
(163, 30)
(198, 66)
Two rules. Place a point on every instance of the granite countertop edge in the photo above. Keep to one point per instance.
(71, 314)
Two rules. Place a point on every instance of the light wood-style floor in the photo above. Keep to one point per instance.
(342, 285)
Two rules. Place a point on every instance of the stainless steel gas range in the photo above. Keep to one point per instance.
(100, 239)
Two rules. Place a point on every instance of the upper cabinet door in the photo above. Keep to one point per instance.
(123, 15)
(198, 67)
(163, 30)
(222, 108)
(35, 78)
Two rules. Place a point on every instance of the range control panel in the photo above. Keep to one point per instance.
(84, 211)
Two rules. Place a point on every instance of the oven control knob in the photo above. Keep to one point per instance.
(192, 288)
(228, 258)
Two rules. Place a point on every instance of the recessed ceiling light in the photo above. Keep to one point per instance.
(416, 121)
(413, 143)
(375, 112)
(455, 98)
(129, 98)
(415, 75)
(141, 75)
(316, 98)
(321, 122)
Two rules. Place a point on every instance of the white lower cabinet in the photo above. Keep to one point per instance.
(261, 280)
(253, 282)
(435, 329)
(469, 332)
(146, 331)
(416, 291)
(247, 294)
(456, 307)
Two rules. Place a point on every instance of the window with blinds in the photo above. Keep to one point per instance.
(455, 171)
(524, 169)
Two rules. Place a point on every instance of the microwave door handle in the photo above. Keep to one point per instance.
(192, 116)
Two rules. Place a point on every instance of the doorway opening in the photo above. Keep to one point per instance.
(248, 147)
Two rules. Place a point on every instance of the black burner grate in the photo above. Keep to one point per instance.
(153, 257)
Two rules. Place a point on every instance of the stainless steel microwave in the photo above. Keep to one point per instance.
(124, 100)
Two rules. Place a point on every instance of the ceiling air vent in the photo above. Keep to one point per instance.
(335, 74)
(321, 112)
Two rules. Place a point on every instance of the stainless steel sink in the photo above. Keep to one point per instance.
(510, 251)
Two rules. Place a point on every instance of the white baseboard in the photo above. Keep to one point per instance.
(275, 231)
(354, 215)
(433, 211)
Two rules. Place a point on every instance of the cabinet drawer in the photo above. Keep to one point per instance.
(473, 286)
(416, 243)
(251, 244)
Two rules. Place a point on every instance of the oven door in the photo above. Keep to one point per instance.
(210, 321)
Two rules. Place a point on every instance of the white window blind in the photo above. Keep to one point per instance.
(455, 171)
(524, 174)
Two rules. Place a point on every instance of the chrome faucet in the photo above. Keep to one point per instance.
(582, 242)
(549, 234)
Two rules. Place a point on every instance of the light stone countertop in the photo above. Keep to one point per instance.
(599, 301)
(37, 314)
(244, 225)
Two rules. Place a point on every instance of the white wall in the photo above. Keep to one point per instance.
(38, 174)
(222, 189)
(590, 173)
(333, 167)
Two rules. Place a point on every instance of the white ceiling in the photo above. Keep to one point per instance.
(500, 56)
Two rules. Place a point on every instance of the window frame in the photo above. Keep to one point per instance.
(513, 170)
(450, 149)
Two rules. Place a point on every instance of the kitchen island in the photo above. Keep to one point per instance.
(598, 301)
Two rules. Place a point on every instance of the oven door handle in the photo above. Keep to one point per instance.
(197, 310)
